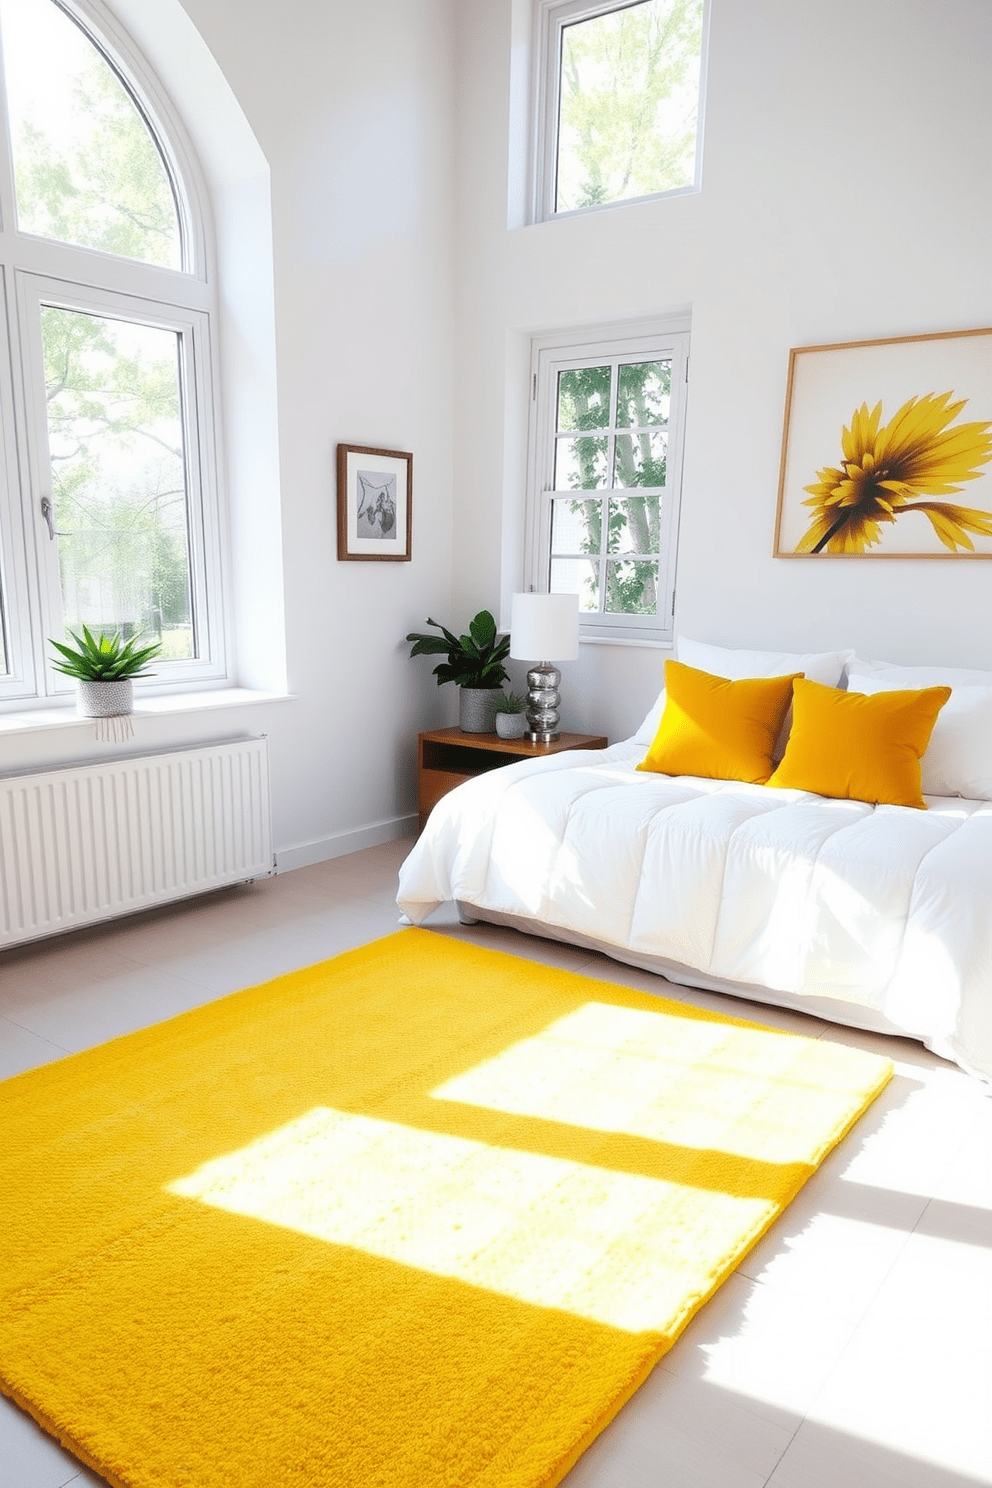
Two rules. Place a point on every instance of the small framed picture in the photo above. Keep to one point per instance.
(887, 449)
(375, 504)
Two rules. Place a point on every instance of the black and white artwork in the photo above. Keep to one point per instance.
(376, 498)
(375, 503)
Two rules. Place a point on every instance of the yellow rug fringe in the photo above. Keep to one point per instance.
(423, 1216)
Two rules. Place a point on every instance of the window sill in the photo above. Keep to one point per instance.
(567, 214)
(663, 643)
(150, 707)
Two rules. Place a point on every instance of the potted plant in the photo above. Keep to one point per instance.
(103, 669)
(511, 722)
(474, 663)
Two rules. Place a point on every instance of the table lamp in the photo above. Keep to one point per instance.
(544, 626)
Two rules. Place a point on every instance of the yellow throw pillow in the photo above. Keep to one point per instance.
(716, 728)
(859, 747)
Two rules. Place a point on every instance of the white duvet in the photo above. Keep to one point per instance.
(884, 908)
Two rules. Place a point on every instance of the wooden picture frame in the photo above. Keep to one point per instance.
(887, 449)
(375, 504)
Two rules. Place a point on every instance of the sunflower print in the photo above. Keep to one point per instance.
(887, 470)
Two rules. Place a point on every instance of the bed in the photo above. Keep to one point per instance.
(875, 916)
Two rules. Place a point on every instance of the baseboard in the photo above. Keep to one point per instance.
(340, 843)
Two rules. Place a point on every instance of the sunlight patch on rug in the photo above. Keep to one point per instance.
(541, 1229)
(667, 1078)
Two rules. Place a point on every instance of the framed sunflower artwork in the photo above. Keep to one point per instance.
(887, 449)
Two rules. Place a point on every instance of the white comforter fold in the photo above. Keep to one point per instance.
(884, 907)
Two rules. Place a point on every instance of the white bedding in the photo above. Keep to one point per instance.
(882, 908)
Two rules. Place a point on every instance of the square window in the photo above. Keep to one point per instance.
(620, 104)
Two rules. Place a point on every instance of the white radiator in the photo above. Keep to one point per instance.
(85, 843)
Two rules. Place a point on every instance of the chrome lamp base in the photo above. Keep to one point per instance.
(543, 701)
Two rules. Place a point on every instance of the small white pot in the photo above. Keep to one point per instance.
(104, 699)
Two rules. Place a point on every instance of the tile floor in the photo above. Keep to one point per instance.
(851, 1349)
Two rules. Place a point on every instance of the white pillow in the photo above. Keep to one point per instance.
(893, 677)
(724, 661)
(652, 723)
(958, 761)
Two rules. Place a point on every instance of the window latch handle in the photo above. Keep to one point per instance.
(49, 515)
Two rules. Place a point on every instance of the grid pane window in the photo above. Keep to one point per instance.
(623, 90)
(606, 438)
(625, 408)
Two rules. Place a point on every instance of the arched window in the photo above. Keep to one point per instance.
(110, 517)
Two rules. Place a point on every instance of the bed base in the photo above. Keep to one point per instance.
(832, 1009)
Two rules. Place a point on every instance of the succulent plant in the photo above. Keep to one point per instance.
(108, 659)
(510, 702)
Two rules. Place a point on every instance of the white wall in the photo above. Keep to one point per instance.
(342, 114)
(846, 195)
(351, 106)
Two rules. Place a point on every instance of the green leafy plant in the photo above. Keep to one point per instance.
(474, 660)
(108, 659)
(509, 702)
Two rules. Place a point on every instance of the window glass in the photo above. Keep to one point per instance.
(619, 396)
(87, 170)
(115, 436)
(577, 576)
(628, 99)
(631, 588)
(582, 464)
(635, 525)
(645, 394)
(571, 524)
(640, 459)
(584, 398)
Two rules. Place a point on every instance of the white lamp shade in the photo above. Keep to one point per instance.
(544, 627)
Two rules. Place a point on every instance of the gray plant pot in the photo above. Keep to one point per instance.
(511, 725)
(104, 699)
(477, 709)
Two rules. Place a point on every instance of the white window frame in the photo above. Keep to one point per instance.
(592, 347)
(192, 329)
(36, 271)
(550, 19)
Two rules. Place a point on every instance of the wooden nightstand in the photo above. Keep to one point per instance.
(446, 757)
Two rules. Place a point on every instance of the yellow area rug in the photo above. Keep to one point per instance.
(422, 1215)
